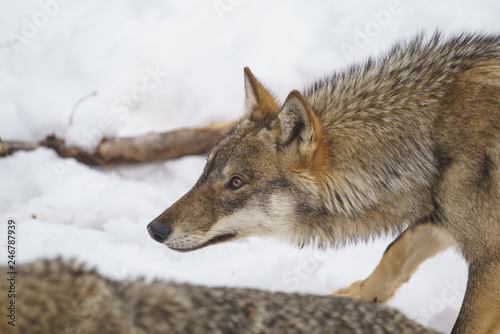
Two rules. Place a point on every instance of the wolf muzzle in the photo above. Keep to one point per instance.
(158, 231)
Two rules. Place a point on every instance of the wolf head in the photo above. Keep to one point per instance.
(259, 180)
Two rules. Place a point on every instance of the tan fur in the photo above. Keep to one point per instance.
(407, 139)
(60, 297)
(487, 73)
(400, 261)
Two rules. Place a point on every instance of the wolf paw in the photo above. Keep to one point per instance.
(352, 291)
(363, 290)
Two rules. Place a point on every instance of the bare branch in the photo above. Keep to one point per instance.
(146, 148)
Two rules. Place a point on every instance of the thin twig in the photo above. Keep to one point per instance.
(80, 100)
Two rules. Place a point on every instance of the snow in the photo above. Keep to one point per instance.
(161, 65)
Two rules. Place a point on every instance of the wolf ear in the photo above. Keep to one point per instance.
(297, 121)
(259, 103)
(300, 135)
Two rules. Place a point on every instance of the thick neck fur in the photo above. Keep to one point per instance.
(378, 127)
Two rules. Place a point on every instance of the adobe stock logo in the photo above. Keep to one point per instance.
(31, 27)
(222, 7)
(121, 106)
(363, 37)
(450, 296)
(304, 269)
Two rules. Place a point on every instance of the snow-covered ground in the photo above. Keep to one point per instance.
(143, 66)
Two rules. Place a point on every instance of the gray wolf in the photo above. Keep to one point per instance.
(407, 143)
(59, 296)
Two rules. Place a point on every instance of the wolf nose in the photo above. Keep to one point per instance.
(158, 231)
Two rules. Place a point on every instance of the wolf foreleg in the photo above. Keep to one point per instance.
(400, 260)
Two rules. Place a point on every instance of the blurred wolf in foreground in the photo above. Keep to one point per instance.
(408, 141)
(60, 297)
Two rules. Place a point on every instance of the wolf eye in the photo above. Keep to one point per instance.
(236, 182)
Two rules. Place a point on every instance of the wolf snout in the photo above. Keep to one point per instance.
(158, 231)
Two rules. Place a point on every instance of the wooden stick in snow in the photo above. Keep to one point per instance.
(147, 148)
